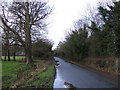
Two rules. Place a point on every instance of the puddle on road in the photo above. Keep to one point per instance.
(69, 85)
(56, 61)
(59, 82)
(57, 64)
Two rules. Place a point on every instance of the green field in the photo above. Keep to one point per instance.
(9, 72)
(21, 58)
(18, 58)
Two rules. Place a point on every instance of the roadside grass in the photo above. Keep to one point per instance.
(10, 70)
(43, 79)
(39, 61)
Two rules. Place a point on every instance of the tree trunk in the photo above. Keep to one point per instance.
(28, 43)
(8, 54)
(7, 44)
(28, 55)
(14, 56)
(116, 63)
(5, 57)
(25, 55)
(28, 47)
(8, 50)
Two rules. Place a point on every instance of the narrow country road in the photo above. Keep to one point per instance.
(79, 77)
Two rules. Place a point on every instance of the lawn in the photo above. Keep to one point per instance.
(43, 79)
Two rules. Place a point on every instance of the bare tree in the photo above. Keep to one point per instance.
(26, 17)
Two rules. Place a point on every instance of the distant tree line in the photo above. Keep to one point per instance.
(99, 38)
(42, 48)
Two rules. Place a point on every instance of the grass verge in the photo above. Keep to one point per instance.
(43, 79)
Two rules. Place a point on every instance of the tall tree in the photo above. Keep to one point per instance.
(111, 18)
(26, 16)
(6, 36)
(75, 47)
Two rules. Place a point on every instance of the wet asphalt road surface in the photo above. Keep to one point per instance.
(80, 77)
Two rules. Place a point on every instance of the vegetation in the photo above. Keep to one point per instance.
(9, 72)
(23, 23)
(13, 71)
(102, 42)
(93, 41)
(0, 74)
(17, 58)
(42, 48)
(43, 79)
